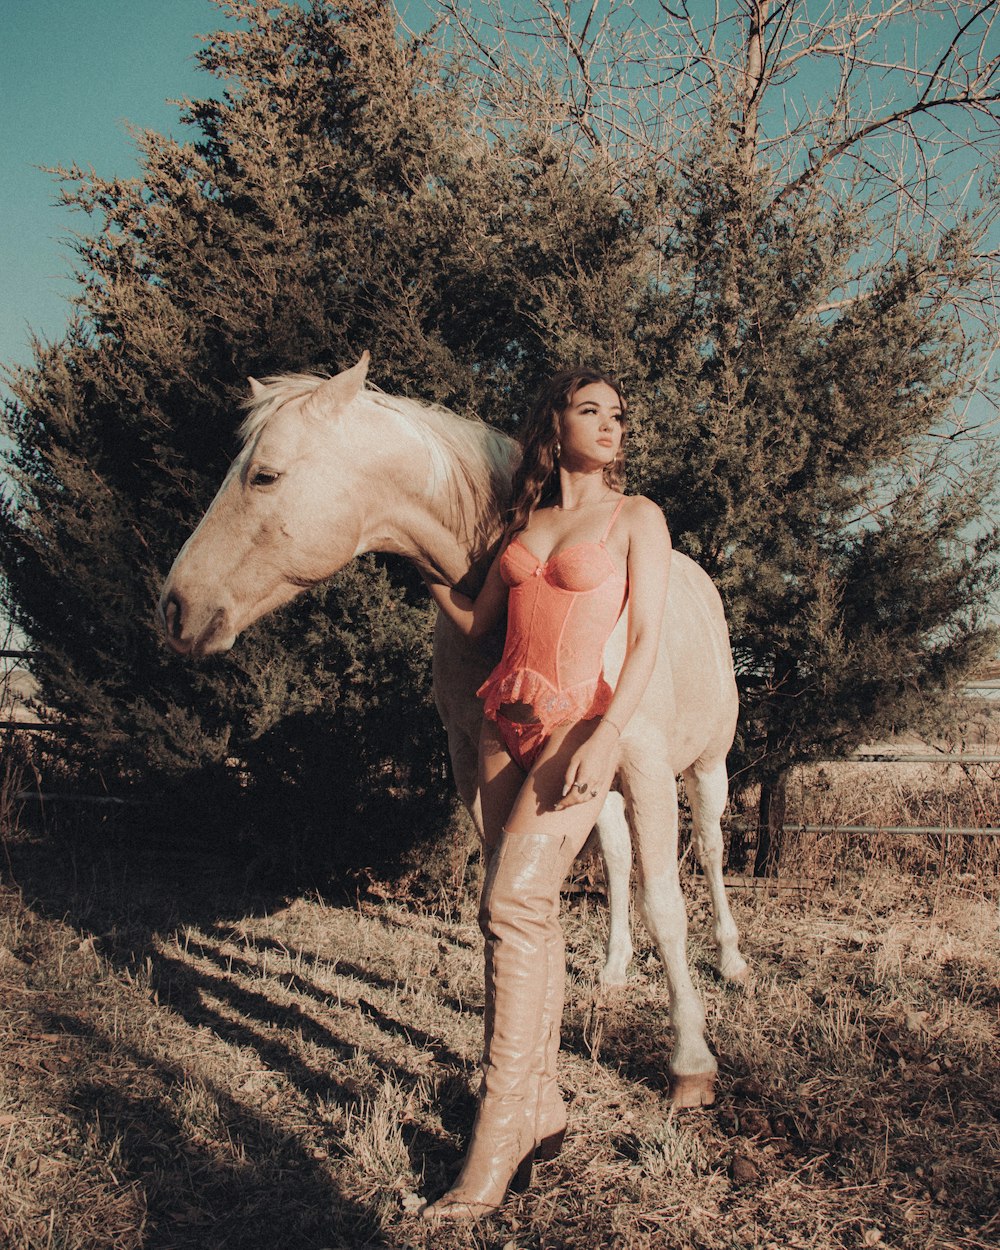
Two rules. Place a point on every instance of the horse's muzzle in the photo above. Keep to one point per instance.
(174, 620)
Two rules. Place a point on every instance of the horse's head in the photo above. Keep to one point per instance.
(277, 524)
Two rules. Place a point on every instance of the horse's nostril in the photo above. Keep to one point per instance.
(173, 616)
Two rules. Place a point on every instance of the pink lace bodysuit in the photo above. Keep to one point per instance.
(560, 614)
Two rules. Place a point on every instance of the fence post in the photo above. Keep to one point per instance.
(770, 824)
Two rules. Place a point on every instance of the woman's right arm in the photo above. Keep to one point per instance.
(474, 617)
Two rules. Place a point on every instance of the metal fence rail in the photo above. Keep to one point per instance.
(962, 831)
(94, 800)
(933, 757)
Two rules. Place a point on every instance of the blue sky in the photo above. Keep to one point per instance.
(73, 73)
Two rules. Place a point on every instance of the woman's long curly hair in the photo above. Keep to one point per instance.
(536, 481)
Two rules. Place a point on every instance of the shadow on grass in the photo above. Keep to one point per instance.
(251, 1176)
(263, 1191)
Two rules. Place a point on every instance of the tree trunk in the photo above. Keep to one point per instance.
(741, 834)
(753, 86)
(770, 825)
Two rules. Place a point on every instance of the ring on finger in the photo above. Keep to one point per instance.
(581, 786)
(593, 794)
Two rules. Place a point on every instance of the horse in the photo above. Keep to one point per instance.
(330, 468)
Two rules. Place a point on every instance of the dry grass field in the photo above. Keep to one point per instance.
(188, 1063)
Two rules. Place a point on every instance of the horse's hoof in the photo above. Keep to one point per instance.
(612, 978)
(694, 1090)
(736, 974)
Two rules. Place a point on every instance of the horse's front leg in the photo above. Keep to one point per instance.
(616, 851)
(464, 754)
(651, 803)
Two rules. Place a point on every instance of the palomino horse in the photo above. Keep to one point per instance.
(329, 470)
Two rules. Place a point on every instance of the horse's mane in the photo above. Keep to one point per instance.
(472, 460)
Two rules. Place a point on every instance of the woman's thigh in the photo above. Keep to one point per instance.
(534, 808)
(500, 781)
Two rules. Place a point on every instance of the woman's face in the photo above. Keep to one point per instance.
(590, 427)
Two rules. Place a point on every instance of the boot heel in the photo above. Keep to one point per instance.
(521, 1179)
(550, 1146)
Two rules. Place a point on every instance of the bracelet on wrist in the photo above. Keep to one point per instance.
(615, 727)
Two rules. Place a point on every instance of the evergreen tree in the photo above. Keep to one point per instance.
(235, 254)
(818, 311)
(795, 457)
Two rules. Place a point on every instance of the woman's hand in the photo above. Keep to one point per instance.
(591, 768)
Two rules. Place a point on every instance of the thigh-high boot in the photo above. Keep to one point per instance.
(519, 918)
(550, 1129)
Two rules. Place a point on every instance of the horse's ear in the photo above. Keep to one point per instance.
(257, 391)
(340, 391)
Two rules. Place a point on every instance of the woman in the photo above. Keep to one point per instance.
(575, 553)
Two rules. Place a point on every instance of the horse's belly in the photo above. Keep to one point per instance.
(691, 699)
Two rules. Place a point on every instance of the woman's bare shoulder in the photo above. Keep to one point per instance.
(643, 514)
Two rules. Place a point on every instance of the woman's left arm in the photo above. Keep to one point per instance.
(649, 553)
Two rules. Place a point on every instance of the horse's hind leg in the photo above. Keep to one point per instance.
(616, 851)
(708, 790)
(651, 803)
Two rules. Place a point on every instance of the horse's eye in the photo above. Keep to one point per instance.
(264, 477)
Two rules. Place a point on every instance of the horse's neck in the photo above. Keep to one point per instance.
(434, 546)
(449, 531)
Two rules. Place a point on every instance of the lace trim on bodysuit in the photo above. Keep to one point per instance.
(551, 706)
